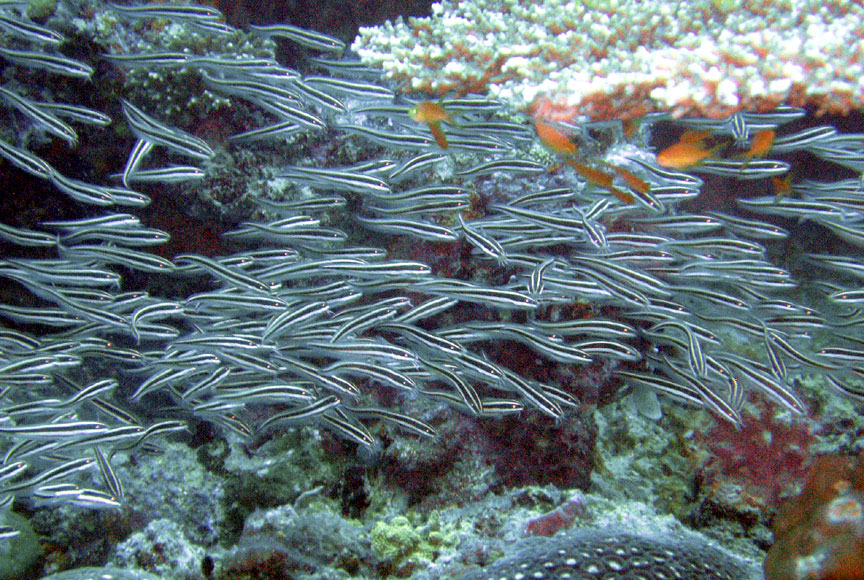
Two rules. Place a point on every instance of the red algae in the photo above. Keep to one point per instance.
(761, 458)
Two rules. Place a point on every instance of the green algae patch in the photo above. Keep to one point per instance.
(394, 539)
(41, 9)
(402, 547)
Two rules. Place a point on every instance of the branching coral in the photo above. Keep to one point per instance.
(608, 59)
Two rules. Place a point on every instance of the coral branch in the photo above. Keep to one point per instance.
(608, 59)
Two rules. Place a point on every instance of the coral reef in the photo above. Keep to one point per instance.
(161, 548)
(313, 541)
(569, 60)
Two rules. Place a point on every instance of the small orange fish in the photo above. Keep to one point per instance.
(761, 144)
(432, 115)
(759, 148)
(689, 151)
(554, 140)
(622, 196)
(591, 175)
(600, 179)
(632, 181)
(782, 187)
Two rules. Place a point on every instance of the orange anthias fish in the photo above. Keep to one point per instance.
(554, 140)
(432, 115)
(782, 187)
(689, 151)
(632, 181)
(600, 179)
(762, 142)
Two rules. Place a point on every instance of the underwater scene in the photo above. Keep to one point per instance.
(465, 290)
